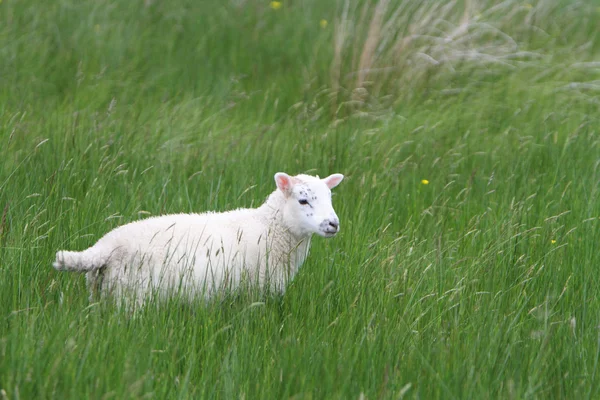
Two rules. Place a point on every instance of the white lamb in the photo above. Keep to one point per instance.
(201, 254)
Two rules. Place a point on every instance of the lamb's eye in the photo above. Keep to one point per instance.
(303, 202)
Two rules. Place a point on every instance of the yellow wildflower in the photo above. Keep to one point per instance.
(323, 23)
(553, 241)
(425, 182)
(275, 5)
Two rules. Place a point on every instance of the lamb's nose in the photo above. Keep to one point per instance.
(334, 224)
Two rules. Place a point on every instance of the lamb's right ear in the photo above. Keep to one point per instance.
(284, 182)
(333, 180)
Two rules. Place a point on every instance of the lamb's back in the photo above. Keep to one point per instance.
(193, 235)
(161, 229)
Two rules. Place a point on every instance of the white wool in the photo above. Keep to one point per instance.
(200, 254)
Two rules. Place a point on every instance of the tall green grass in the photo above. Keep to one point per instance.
(479, 284)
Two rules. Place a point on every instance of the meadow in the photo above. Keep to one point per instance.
(467, 262)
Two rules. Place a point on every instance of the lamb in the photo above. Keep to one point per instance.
(203, 254)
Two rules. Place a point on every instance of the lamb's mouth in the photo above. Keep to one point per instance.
(330, 233)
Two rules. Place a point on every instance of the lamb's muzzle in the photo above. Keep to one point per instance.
(330, 226)
(206, 253)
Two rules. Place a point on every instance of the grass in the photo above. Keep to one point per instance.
(480, 284)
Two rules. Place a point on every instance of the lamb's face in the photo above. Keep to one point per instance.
(308, 207)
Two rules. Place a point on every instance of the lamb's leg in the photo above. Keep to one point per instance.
(95, 284)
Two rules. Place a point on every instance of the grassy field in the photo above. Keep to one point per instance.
(467, 265)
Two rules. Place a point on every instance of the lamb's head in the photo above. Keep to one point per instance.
(308, 207)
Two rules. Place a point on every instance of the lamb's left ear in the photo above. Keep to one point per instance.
(284, 182)
(333, 180)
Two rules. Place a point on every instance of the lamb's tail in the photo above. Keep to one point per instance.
(79, 261)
